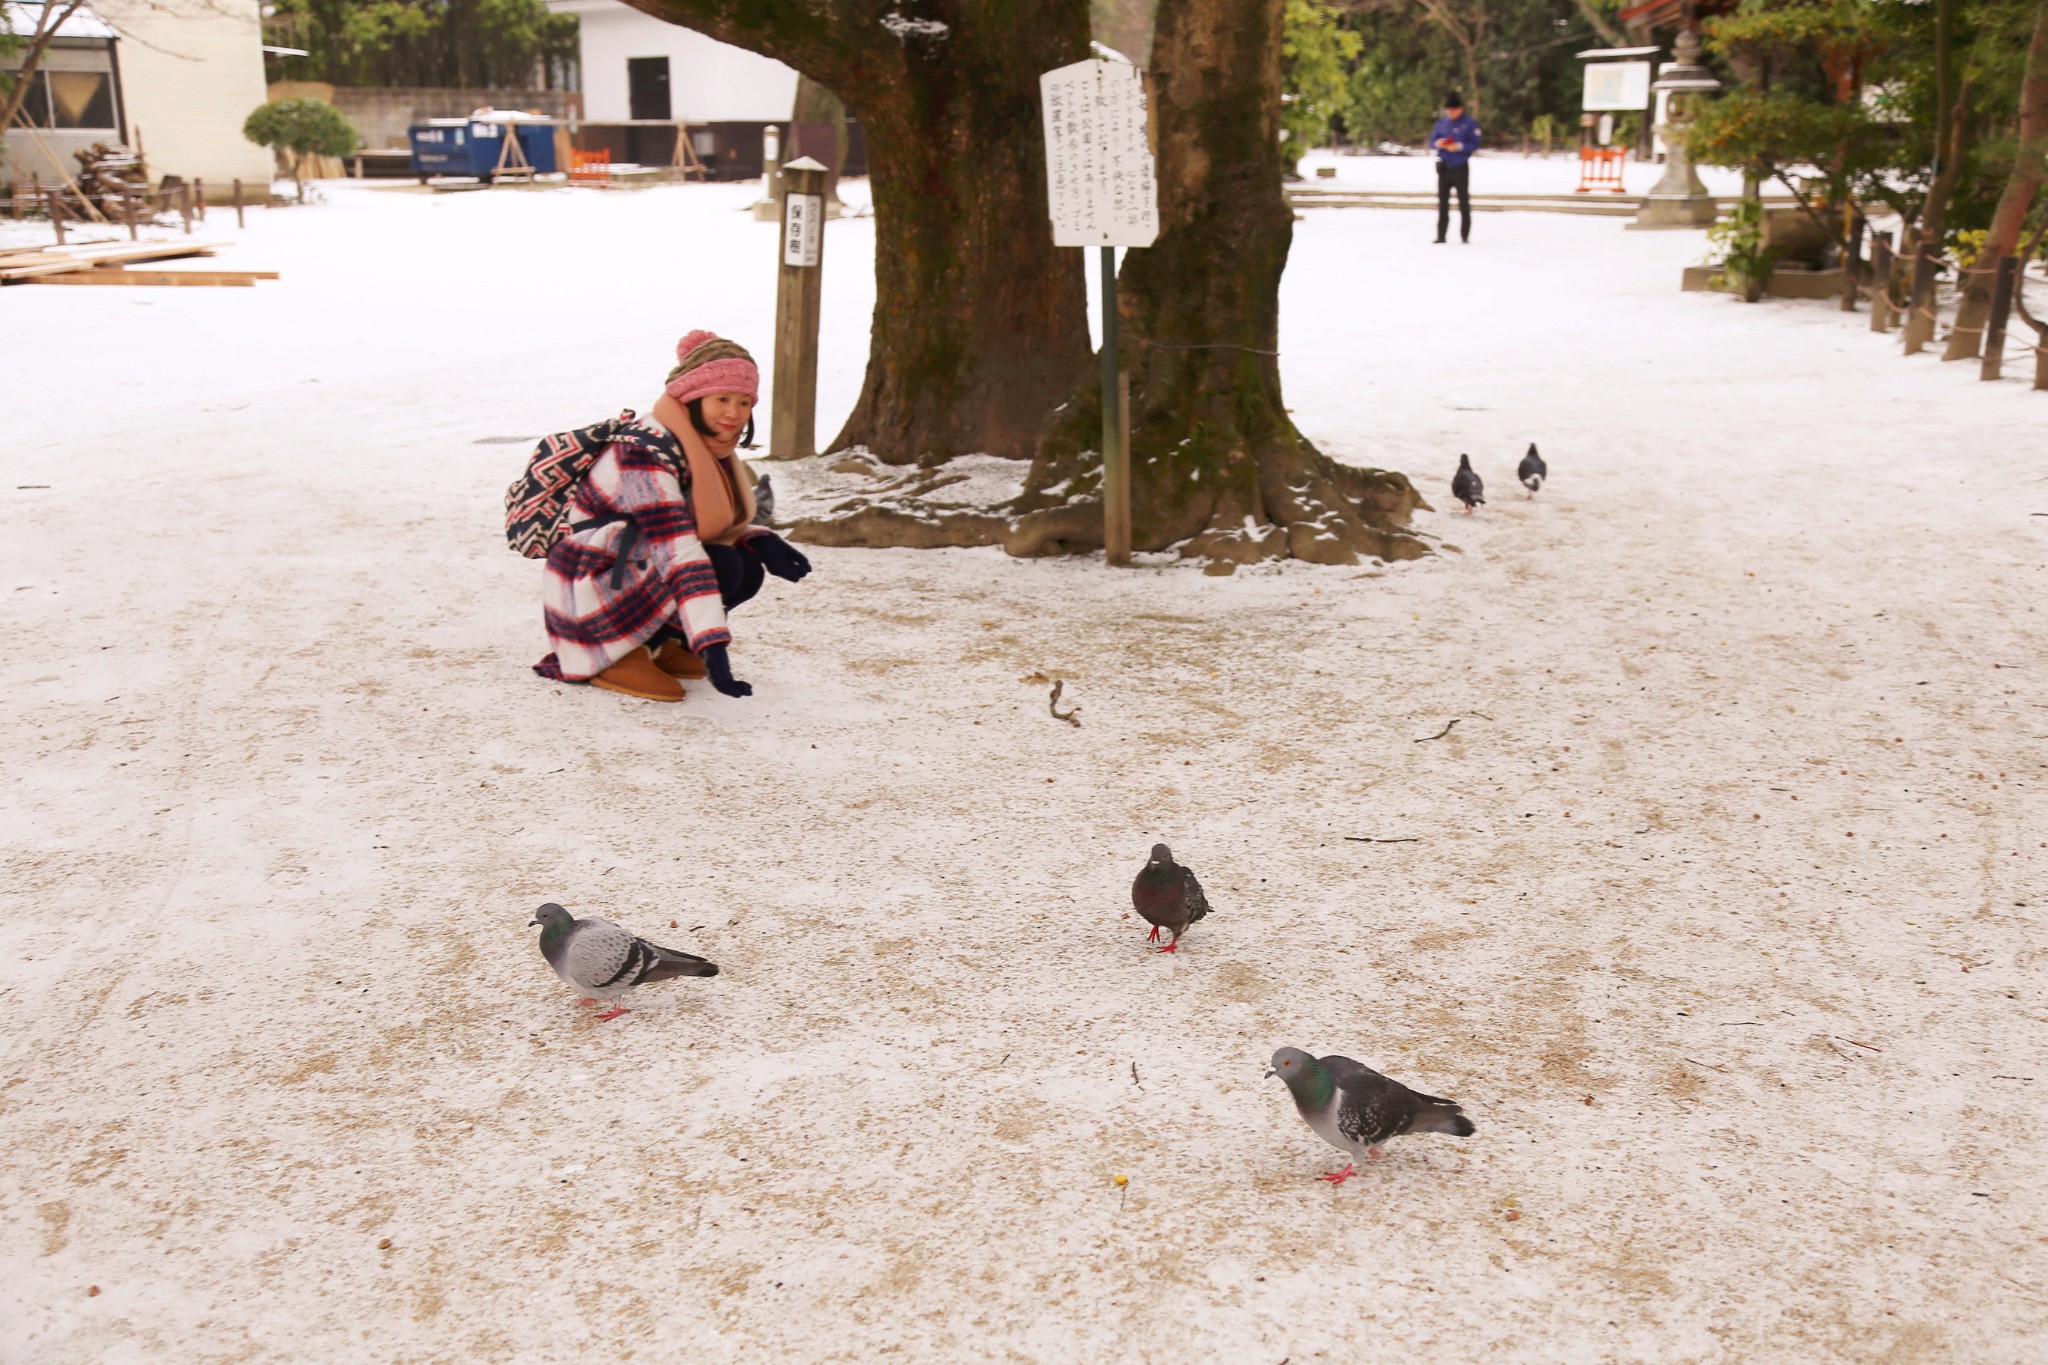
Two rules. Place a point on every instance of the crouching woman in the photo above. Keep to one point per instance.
(661, 542)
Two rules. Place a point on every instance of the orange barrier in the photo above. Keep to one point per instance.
(1600, 169)
(590, 168)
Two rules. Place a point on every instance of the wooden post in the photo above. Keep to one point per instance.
(55, 199)
(1116, 464)
(793, 418)
(1880, 281)
(128, 205)
(1919, 328)
(1852, 260)
(238, 205)
(2002, 287)
(185, 206)
(199, 199)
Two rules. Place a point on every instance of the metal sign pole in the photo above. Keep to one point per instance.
(793, 417)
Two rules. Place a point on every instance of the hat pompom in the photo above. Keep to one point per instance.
(691, 342)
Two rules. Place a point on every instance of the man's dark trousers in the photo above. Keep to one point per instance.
(1447, 179)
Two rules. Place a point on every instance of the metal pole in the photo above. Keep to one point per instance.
(793, 419)
(2002, 286)
(1116, 465)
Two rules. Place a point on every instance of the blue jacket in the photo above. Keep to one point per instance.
(1463, 130)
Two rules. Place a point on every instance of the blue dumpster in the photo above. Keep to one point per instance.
(475, 146)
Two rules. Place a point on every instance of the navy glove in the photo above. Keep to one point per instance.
(719, 669)
(778, 556)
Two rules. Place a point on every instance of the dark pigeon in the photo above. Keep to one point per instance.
(764, 501)
(1466, 485)
(1355, 1109)
(603, 961)
(1532, 471)
(1168, 896)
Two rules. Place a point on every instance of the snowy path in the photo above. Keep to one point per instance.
(1723, 915)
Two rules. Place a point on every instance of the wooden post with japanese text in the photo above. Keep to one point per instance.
(799, 291)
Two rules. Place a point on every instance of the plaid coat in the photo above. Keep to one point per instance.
(634, 503)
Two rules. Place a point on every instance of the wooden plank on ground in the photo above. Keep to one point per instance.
(53, 262)
(155, 277)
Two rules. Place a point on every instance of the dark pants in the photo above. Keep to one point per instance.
(1460, 179)
(740, 576)
(739, 573)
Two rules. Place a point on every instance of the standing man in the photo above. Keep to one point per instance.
(1454, 138)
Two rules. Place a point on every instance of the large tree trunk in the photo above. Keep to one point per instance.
(980, 324)
(1217, 466)
(2010, 217)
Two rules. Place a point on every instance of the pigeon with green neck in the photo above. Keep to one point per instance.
(1355, 1109)
(1168, 896)
(604, 961)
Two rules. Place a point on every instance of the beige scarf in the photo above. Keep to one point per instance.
(721, 485)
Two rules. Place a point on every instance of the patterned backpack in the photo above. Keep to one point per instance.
(537, 503)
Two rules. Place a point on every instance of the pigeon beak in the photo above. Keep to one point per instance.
(1270, 1073)
(530, 923)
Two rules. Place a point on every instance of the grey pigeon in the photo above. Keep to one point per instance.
(1532, 471)
(764, 502)
(1355, 1109)
(603, 961)
(1466, 485)
(1168, 896)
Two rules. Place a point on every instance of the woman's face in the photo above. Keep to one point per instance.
(727, 413)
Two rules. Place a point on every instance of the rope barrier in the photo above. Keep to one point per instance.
(1196, 346)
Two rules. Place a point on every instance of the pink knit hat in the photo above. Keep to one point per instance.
(706, 363)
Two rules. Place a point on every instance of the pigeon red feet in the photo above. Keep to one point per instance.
(614, 1012)
(589, 1000)
(1339, 1177)
(1153, 937)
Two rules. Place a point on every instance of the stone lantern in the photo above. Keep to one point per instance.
(1680, 200)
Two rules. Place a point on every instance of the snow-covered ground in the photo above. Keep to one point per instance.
(1493, 172)
(1722, 911)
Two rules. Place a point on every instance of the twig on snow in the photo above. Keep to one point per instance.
(1708, 1065)
(1853, 1043)
(1441, 733)
(1361, 839)
(1052, 704)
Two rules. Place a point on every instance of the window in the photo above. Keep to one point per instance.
(68, 99)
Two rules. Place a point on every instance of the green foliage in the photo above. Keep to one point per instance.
(299, 128)
(1315, 59)
(467, 43)
(1744, 257)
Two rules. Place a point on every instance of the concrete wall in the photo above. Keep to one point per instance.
(190, 74)
(709, 81)
(381, 116)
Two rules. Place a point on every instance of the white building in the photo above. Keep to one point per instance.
(176, 76)
(638, 67)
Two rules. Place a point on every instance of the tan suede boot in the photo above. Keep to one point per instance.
(675, 659)
(636, 676)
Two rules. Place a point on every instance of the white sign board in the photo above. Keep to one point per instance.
(1098, 156)
(1617, 85)
(803, 221)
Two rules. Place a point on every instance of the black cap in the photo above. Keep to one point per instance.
(1454, 100)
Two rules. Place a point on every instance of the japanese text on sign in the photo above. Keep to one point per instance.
(1098, 156)
(803, 218)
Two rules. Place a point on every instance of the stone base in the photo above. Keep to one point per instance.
(1692, 211)
(1784, 283)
